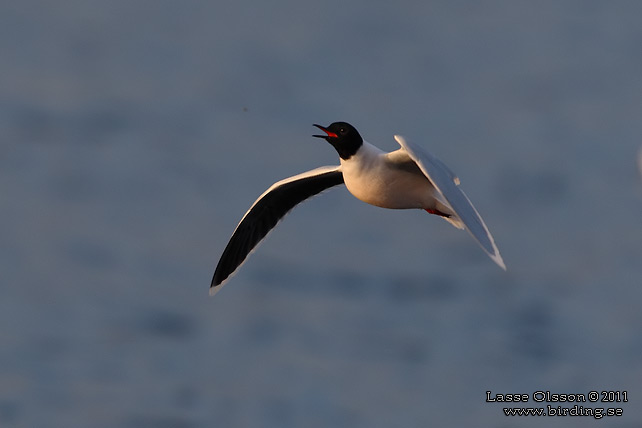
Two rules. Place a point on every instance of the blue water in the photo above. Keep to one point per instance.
(123, 124)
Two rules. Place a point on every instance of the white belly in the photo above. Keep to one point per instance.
(378, 183)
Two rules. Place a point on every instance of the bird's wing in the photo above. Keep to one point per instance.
(447, 183)
(266, 212)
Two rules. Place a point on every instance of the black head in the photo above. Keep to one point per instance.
(343, 137)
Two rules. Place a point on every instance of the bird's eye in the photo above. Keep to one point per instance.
(342, 130)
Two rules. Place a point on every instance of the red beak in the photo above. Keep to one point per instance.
(329, 134)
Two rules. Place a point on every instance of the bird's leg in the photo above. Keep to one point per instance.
(437, 212)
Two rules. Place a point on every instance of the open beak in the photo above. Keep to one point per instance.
(329, 134)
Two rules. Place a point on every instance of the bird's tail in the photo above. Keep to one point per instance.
(455, 221)
(450, 218)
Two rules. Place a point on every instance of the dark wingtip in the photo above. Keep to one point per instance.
(215, 285)
(214, 288)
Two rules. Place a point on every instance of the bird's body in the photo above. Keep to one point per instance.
(389, 180)
(407, 178)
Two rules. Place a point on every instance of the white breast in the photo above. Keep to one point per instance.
(387, 180)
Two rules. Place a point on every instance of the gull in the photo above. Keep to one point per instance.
(407, 178)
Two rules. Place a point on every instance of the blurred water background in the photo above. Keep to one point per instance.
(135, 134)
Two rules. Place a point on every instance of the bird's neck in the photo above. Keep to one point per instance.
(364, 156)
